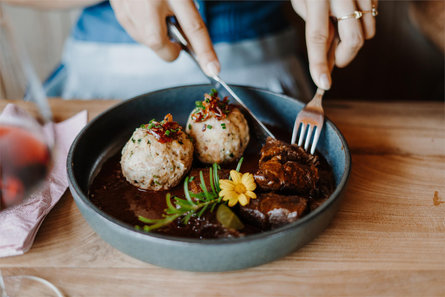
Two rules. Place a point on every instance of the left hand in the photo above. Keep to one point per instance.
(320, 31)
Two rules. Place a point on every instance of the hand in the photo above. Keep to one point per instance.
(145, 21)
(320, 31)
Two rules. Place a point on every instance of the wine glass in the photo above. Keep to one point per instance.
(25, 142)
(27, 285)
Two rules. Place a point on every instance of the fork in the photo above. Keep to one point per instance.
(311, 117)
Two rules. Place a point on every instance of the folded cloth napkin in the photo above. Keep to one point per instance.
(19, 224)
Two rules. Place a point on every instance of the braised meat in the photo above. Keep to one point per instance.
(271, 210)
(288, 168)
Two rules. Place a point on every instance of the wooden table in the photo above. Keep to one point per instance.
(387, 239)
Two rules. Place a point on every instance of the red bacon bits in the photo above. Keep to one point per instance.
(164, 131)
(212, 106)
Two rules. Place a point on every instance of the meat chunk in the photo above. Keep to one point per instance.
(271, 210)
(285, 167)
(274, 148)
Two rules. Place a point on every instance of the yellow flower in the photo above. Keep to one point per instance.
(239, 189)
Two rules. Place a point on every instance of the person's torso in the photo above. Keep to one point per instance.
(227, 21)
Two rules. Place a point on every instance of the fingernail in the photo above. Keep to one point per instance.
(324, 82)
(212, 68)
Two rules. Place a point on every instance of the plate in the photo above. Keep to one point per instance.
(107, 133)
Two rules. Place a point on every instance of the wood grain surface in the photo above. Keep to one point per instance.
(388, 239)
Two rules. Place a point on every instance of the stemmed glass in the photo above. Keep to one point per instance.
(25, 144)
(27, 285)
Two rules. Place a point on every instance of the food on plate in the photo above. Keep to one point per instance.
(157, 156)
(256, 192)
(219, 130)
(273, 210)
(194, 215)
(285, 167)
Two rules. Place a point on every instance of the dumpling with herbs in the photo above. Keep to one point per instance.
(157, 156)
(219, 129)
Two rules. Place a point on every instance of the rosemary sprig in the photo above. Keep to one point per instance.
(193, 205)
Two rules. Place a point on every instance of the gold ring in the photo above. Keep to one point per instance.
(355, 15)
(373, 11)
(358, 14)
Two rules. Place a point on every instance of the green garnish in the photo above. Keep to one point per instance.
(240, 162)
(223, 125)
(190, 126)
(198, 104)
(167, 132)
(209, 126)
(132, 139)
(195, 204)
(213, 92)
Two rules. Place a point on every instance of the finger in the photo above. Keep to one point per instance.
(196, 32)
(149, 17)
(122, 16)
(317, 40)
(300, 7)
(349, 31)
(368, 21)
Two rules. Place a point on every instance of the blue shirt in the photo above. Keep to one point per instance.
(227, 21)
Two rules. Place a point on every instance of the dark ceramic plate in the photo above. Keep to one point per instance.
(109, 131)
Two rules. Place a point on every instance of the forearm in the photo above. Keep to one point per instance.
(51, 4)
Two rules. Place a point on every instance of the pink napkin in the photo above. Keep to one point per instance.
(19, 224)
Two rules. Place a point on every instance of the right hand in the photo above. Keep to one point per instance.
(145, 21)
(320, 32)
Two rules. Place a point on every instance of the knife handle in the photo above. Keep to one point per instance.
(177, 35)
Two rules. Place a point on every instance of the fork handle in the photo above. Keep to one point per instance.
(317, 99)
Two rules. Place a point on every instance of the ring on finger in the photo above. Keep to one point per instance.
(355, 15)
(374, 12)
(358, 14)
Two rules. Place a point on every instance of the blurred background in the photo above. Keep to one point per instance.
(405, 61)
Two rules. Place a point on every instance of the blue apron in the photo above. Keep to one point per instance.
(253, 41)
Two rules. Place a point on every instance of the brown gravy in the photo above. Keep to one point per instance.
(111, 193)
